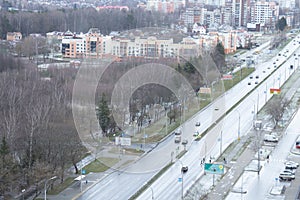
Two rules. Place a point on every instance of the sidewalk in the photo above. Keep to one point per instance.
(88, 180)
(236, 168)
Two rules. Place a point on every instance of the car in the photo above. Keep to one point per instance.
(251, 77)
(197, 124)
(292, 172)
(274, 63)
(298, 144)
(269, 67)
(256, 82)
(256, 76)
(291, 164)
(286, 176)
(264, 71)
(177, 132)
(216, 108)
(177, 139)
(184, 169)
(249, 83)
(270, 138)
(196, 134)
(184, 142)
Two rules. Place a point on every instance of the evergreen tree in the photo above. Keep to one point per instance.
(103, 114)
(218, 55)
(281, 24)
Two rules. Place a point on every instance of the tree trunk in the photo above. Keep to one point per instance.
(76, 168)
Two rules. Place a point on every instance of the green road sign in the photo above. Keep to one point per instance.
(214, 168)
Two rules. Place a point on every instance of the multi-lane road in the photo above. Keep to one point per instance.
(124, 185)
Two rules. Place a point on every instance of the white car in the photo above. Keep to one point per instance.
(290, 171)
(291, 165)
(286, 176)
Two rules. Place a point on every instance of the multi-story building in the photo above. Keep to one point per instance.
(265, 13)
(287, 3)
(240, 12)
(13, 36)
(169, 6)
(95, 45)
(83, 45)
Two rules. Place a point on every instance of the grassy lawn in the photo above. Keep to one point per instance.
(99, 166)
(157, 131)
(59, 188)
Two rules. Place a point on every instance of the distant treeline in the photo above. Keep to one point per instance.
(81, 20)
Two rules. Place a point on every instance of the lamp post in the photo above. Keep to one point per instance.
(181, 179)
(266, 93)
(54, 177)
(254, 115)
(152, 193)
(257, 103)
(239, 124)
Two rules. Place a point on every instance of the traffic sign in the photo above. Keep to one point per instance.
(214, 168)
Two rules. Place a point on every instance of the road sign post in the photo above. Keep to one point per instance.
(214, 168)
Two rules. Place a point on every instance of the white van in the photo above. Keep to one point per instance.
(270, 138)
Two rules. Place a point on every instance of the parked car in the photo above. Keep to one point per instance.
(291, 165)
(286, 176)
(292, 172)
(197, 124)
(270, 138)
(184, 169)
(298, 144)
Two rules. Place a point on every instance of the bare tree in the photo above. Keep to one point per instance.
(276, 108)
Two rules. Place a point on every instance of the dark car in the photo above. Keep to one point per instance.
(197, 124)
(184, 142)
(184, 169)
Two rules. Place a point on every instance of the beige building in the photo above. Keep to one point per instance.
(95, 45)
(13, 36)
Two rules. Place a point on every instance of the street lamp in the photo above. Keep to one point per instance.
(254, 114)
(54, 177)
(181, 179)
(152, 193)
(239, 124)
(257, 103)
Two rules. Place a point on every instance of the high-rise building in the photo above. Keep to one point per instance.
(265, 13)
(240, 12)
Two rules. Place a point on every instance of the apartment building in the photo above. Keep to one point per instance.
(265, 13)
(95, 45)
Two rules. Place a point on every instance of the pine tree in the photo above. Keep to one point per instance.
(103, 114)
